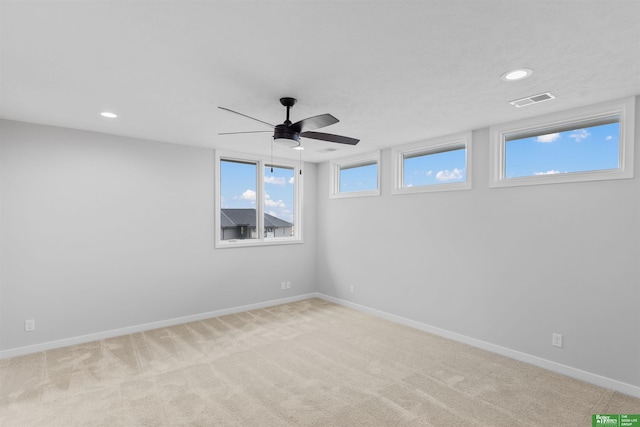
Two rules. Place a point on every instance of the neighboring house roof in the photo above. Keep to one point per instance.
(247, 217)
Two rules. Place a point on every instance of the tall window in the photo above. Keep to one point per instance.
(587, 144)
(356, 177)
(238, 193)
(434, 165)
(258, 201)
(278, 202)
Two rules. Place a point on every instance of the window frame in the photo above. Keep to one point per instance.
(431, 146)
(261, 163)
(542, 125)
(353, 162)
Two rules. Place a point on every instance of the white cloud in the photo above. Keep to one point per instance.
(248, 195)
(551, 137)
(549, 172)
(579, 135)
(608, 138)
(292, 180)
(277, 180)
(273, 203)
(446, 175)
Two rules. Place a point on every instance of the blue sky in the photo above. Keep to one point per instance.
(361, 178)
(238, 188)
(588, 149)
(438, 168)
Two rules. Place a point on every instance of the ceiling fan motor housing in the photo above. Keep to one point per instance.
(283, 132)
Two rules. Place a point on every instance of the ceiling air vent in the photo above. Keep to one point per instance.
(534, 99)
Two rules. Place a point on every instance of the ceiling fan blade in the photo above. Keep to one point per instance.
(249, 131)
(330, 137)
(248, 117)
(315, 122)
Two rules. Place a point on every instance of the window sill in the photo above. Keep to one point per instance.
(562, 178)
(454, 186)
(353, 194)
(246, 243)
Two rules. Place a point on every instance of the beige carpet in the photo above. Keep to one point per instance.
(309, 363)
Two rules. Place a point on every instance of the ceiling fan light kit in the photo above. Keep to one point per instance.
(288, 134)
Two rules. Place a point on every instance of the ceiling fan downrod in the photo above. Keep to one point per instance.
(288, 102)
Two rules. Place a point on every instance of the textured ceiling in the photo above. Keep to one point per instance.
(393, 72)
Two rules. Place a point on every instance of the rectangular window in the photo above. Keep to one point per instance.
(279, 196)
(435, 165)
(359, 178)
(587, 144)
(257, 208)
(356, 177)
(238, 189)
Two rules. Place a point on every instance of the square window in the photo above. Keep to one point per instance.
(356, 177)
(257, 201)
(359, 178)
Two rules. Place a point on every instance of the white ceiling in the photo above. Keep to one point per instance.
(393, 72)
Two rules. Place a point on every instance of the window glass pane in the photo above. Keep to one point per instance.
(359, 178)
(581, 149)
(435, 168)
(238, 218)
(279, 202)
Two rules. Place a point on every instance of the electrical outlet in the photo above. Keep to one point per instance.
(556, 340)
(283, 286)
(288, 285)
(351, 289)
(29, 325)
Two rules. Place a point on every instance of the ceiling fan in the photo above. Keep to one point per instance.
(289, 133)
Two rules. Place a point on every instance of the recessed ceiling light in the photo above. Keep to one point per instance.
(514, 75)
(108, 114)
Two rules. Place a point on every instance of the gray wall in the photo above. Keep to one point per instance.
(100, 232)
(507, 266)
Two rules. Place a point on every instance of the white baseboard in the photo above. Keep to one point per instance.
(503, 351)
(20, 351)
(523, 357)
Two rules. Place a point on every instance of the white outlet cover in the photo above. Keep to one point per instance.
(556, 340)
